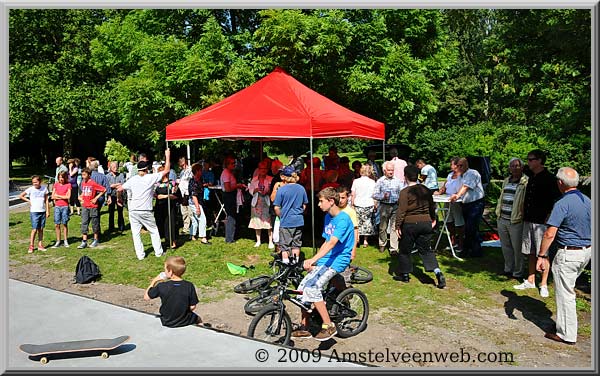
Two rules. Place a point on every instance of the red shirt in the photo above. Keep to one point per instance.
(61, 190)
(89, 190)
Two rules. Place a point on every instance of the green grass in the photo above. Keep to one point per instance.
(22, 173)
(474, 286)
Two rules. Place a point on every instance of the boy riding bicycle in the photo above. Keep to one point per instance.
(333, 257)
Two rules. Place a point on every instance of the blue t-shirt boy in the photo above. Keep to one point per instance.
(342, 228)
(290, 198)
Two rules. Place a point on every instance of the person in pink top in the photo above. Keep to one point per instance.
(90, 193)
(399, 165)
(61, 194)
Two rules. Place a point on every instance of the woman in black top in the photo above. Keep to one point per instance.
(415, 220)
(164, 192)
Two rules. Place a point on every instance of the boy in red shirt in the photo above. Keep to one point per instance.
(90, 193)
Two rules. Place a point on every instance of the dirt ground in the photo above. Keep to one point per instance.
(489, 331)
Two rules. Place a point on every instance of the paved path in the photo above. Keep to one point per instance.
(39, 315)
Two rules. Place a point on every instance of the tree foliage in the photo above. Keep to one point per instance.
(445, 82)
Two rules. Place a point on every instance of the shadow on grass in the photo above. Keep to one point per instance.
(491, 264)
(533, 310)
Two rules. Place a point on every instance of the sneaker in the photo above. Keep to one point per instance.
(271, 246)
(66, 244)
(301, 332)
(82, 245)
(326, 332)
(30, 249)
(544, 291)
(441, 280)
(57, 244)
(94, 244)
(525, 285)
(42, 248)
(159, 254)
(257, 244)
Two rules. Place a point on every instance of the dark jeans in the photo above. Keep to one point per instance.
(472, 213)
(111, 215)
(230, 203)
(419, 234)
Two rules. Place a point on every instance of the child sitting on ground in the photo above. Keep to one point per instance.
(178, 297)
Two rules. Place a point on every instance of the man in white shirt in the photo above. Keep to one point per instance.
(140, 192)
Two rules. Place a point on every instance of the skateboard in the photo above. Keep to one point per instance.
(43, 350)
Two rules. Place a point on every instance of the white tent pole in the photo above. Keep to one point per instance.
(261, 150)
(312, 198)
(168, 236)
(189, 162)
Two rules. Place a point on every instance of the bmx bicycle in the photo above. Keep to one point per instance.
(263, 284)
(348, 309)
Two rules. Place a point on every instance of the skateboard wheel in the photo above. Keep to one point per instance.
(44, 360)
(104, 355)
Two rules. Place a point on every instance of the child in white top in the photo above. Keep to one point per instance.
(39, 210)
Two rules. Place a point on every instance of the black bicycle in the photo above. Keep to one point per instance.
(264, 285)
(353, 275)
(348, 308)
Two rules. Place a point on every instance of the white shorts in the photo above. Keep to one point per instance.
(314, 282)
(532, 237)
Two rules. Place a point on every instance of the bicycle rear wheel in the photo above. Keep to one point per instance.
(252, 284)
(360, 274)
(350, 312)
(271, 325)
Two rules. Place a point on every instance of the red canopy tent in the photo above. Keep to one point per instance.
(275, 107)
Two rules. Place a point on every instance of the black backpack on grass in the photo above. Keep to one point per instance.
(86, 270)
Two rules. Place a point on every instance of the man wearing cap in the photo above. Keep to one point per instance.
(570, 224)
(140, 192)
(289, 204)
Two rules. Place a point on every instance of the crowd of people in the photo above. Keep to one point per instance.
(393, 201)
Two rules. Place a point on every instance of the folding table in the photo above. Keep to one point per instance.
(442, 200)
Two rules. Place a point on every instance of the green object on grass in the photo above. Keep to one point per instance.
(235, 270)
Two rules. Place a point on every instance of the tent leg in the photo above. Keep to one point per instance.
(168, 236)
(312, 199)
(189, 163)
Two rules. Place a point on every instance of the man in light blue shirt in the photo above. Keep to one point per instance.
(428, 175)
(570, 225)
(387, 190)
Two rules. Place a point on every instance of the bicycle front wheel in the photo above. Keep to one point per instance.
(272, 325)
(252, 284)
(254, 305)
(350, 312)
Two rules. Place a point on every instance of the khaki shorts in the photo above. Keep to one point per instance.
(455, 216)
(532, 237)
